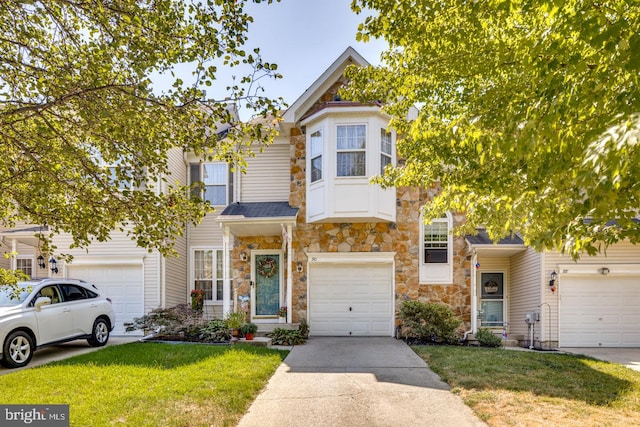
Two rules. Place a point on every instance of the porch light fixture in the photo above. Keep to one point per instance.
(53, 264)
(41, 263)
(299, 267)
(552, 282)
(243, 256)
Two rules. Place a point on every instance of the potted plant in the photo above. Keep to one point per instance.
(234, 322)
(282, 314)
(197, 299)
(248, 330)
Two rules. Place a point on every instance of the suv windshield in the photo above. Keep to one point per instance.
(7, 297)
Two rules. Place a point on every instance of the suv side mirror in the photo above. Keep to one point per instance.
(41, 301)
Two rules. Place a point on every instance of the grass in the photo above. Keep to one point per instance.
(515, 388)
(149, 384)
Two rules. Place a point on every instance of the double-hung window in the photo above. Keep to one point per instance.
(385, 149)
(436, 242)
(436, 256)
(25, 265)
(316, 156)
(207, 273)
(209, 182)
(351, 150)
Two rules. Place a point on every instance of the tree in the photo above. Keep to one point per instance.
(529, 113)
(87, 129)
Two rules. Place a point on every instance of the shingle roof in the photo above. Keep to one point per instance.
(260, 210)
(482, 238)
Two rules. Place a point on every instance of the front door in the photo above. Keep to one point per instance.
(266, 295)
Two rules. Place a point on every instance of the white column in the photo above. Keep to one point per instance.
(226, 287)
(474, 296)
(289, 275)
(14, 254)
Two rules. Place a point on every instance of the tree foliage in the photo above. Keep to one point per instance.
(79, 90)
(529, 113)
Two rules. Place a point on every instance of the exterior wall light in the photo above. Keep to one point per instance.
(41, 263)
(243, 256)
(53, 264)
(553, 281)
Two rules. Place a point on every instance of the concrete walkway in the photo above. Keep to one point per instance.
(629, 357)
(356, 382)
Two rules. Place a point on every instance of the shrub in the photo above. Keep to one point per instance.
(180, 320)
(281, 336)
(304, 329)
(429, 322)
(487, 338)
(215, 331)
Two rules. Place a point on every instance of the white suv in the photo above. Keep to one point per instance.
(51, 311)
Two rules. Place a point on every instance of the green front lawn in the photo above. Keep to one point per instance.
(517, 388)
(149, 384)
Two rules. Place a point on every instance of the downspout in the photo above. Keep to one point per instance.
(289, 275)
(14, 252)
(226, 288)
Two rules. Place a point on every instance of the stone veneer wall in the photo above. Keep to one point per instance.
(401, 237)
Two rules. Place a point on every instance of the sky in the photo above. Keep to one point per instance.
(304, 37)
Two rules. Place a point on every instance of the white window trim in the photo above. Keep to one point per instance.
(226, 184)
(192, 271)
(365, 150)
(392, 146)
(34, 266)
(437, 273)
(321, 155)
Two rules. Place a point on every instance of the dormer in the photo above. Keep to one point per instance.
(346, 144)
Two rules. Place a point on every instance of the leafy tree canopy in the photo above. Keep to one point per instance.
(529, 113)
(77, 93)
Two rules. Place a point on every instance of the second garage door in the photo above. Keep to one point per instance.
(599, 311)
(351, 300)
(121, 283)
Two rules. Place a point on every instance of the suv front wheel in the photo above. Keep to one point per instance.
(99, 333)
(17, 350)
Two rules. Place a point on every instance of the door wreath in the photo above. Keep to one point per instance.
(266, 267)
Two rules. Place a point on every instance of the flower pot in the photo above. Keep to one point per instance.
(249, 337)
(282, 320)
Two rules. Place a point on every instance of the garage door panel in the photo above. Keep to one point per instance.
(599, 311)
(346, 299)
(123, 284)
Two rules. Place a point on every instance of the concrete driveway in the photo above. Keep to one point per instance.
(356, 382)
(629, 357)
(64, 351)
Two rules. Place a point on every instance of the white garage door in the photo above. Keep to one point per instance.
(599, 311)
(121, 283)
(351, 300)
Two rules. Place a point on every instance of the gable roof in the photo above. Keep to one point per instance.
(296, 111)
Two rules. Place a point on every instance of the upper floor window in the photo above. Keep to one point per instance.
(436, 257)
(316, 156)
(351, 150)
(117, 172)
(436, 242)
(385, 149)
(210, 182)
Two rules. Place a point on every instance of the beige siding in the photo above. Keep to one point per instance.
(174, 269)
(268, 175)
(621, 253)
(525, 292)
(207, 233)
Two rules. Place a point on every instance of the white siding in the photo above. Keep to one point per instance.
(621, 253)
(525, 292)
(207, 233)
(268, 175)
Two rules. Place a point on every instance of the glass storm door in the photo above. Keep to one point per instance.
(492, 299)
(266, 290)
